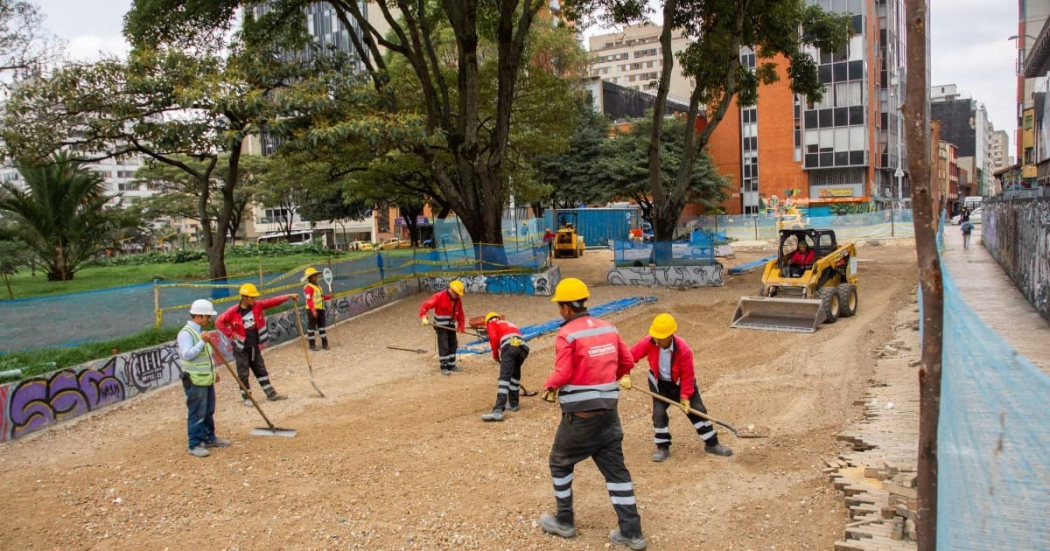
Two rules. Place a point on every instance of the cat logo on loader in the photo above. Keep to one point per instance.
(799, 298)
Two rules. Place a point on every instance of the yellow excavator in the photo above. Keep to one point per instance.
(567, 242)
(806, 285)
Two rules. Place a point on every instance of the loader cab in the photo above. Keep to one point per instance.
(821, 242)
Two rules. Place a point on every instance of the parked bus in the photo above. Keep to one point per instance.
(301, 237)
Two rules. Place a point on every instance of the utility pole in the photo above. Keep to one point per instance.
(916, 111)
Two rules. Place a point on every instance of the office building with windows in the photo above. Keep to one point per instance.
(631, 58)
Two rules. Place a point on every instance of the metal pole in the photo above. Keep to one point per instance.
(755, 220)
(158, 317)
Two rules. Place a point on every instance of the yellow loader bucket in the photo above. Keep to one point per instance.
(796, 315)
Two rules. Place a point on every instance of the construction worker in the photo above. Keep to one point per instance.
(589, 357)
(315, 298)
(510, 350)
(245, 325)
(448, 320)
(198, 379)
(548, 238)
(672, 375)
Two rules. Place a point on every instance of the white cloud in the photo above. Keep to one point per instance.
(91, 47)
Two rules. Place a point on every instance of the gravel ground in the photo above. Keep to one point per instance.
(396, 457)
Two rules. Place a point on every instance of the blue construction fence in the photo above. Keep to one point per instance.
(68, 320)
(765, 227)
(993, 479)
(698, 251)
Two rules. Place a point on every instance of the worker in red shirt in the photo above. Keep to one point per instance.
(448, 320)
(315, 298)
(548, 238)
(589, 357)
(510, 350)
(245, 325)
(672, 375)
(803, 255)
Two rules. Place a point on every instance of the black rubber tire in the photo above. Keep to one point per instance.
(829, 303)
(847, 299)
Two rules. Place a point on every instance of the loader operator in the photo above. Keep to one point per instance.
(510, 351)
(671, 375)
(589, 356)
(448, 320)
(801, 259)
(245, 325)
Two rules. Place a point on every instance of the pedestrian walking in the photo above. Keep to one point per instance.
(967, 229)
(198, 379)
(448, 321)
(315, 298)
(672, 375)
(589, 358)
(245, 325)
(510, 351)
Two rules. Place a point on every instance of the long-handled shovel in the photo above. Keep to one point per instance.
(270, 430)
(302, 342)
(476, 335)
(416, 350)
(749, 432)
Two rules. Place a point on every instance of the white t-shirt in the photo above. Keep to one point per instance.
(665, 362)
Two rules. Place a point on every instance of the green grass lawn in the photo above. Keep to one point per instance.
(26, 285)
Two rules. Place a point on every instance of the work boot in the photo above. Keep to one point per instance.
(494, 415)
(218, 443)
(551, 525)
(513, 408)
(247, 400)
(455, 368)
(661, 454)
(274, 397)
(719, 449)
(324, 346)
(445, 372)
(635, 543)
(313, 347)
(199, 451)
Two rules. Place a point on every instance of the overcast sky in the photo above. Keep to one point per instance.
(968, 39)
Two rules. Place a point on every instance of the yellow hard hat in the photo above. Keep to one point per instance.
(456, 286)
(248, 290)
(663, 326)
(309, 272)
(490, 315)
(570, 290)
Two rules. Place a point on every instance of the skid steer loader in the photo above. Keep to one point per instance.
(798, 298)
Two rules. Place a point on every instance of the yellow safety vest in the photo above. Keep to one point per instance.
(318, 296)
(200, 369)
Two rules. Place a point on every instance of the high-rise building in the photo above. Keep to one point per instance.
(631, 58)
(1033, 56)
(834, 154)
(1000, 150)
(964, 123)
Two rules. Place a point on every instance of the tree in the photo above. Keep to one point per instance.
(466, 151)
(25, 48)
(718, 29)
(571, 174)
(60, 214)
(13, 257)
(180, 191)
(168, 104)
(623, 168)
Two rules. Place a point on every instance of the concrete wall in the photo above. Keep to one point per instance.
(45, 400)
(1017, 234)
(667, 276)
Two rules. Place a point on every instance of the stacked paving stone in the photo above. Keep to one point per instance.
(877, 475)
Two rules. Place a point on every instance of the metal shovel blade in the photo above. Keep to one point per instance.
(264, 431)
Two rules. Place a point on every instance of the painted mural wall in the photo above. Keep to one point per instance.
(42, 401)
(1017, 234)
(678, 277)
(542, 284)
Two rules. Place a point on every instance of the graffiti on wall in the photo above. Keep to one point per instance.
(1017, 234)
(667, 276)
(149, 369)
(41, 401)
(4, 390)
(542, 283)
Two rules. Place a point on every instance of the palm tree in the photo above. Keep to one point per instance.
(59, 213)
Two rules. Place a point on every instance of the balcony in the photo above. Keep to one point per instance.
(1038, 61)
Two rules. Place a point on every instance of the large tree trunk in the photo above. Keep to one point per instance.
(916, 113)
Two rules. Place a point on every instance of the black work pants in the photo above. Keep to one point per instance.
(661, 433)
(251, 359)
(317, 324)
(510, 359)
(600, 438)
(447, 346)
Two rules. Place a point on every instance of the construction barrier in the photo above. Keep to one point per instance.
(761, 227)
(993, 478)
(77, 318)
(1017, 234)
